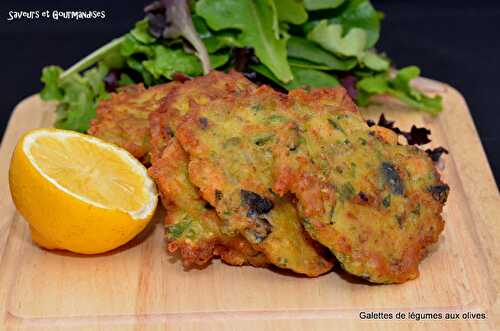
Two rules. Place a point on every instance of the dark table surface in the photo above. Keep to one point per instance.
(455, 42)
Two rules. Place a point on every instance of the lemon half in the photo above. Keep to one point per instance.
(78, 192)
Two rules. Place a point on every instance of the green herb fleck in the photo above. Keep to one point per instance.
(346, 192)
(263, 139)
(387, 201)
(416, 211)
(336, 125)
(176, 230)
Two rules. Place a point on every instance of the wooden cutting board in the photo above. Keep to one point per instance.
(141, 287)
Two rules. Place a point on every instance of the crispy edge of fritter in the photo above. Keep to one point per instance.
(354, 260)
(123, 118)
(210, 177)
(234, 250)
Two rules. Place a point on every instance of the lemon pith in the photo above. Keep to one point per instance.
(79, 193)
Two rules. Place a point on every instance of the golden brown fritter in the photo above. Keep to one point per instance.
(268, 162)
(230, 141)
(123, 119)
(199, 91)
(192, 227)
(376, 205)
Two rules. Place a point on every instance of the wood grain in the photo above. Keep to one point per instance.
(140, 287)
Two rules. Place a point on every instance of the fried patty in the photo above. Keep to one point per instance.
(123, 119)
(273, 165)
(230, 142)
(375, 204)
(193, 227)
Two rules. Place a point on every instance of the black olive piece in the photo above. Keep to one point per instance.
(261, 228)
(203, 122)
(440, 192)
(168, 132)
(392, 178)
(218, 195)
(257, 205)
(208, 206)
(362, 196)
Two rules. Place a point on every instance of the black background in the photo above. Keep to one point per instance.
(457, 42)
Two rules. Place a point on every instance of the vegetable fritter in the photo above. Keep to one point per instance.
(376, 204)
(192, 225)
(200, 91)
(123, 119)
(230, 141)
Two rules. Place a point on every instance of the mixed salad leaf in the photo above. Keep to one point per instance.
(285, 43)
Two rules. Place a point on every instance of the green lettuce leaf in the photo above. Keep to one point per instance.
(399, 87)
(375, 61)
(214, 41)
(304, 49)
(256, 21)
(306, 64)
(147, 77)
(131, 46)
(166, 62)
(332, 38)
(322, 4)
(141, 32)
(303, 77)
(359, 14)
(77, 95)
(291, 11)
(50, 78)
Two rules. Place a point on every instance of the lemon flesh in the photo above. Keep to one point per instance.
(79, 193)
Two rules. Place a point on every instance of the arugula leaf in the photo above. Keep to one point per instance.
(214, 41)
(400, 88)
(304, 77)
(306, 64)
(322, 4)
(291, 11)
(302, 48)
(255, 19)
(331, 37)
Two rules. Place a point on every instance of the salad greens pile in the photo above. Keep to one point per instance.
(287, 43)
